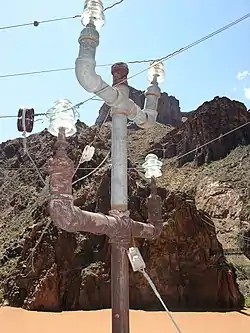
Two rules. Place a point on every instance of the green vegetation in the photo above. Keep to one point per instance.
(247, 301)
(1, 296)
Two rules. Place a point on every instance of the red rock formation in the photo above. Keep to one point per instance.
(186, 262)
(168, 108)
(208, 122)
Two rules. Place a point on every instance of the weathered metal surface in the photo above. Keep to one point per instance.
(118, 226)
(61, 168)
(72, 219)
(154, 206)
(120, 72)
(120, 288)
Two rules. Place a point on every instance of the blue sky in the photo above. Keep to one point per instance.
(133, 30)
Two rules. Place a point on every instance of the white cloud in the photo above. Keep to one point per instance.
(247, 93)
(234, 89)
(242, 75)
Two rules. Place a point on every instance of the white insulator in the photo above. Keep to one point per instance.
(93, 13)
(87, 154)
(62, 115)
(156, 71)
(152, 166)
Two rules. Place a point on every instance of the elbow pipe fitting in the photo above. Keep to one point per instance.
(86, 74)
(146, 230)
(93, 83)
(62, 213)
(146, 118)
(72, 219)
(85, 63)
(116, 98)
(85, 67)
(152, 94)
(158, 227)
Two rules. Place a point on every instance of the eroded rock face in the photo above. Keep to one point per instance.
(73, 271)
(182, 262)
(44, 278)
(168, 108)
(211, 120)
(218, 199)
(224, 204)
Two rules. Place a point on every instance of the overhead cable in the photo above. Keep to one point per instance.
(164, 58)
(37, 23)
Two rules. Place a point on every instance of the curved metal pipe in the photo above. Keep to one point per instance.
(85, 69)
(72, 219)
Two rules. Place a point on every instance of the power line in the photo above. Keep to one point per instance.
(173, 54)
(37, 72)
(113, 5)
(5, 117)
(157, 294)
(189, 46)
(164, 58)
(37, 23)
(43, 71)
(43, 114)
(246, 238)
(185, 154)
(213, 140)
(201, 40)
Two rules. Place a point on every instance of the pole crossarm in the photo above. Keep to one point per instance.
(117, 225)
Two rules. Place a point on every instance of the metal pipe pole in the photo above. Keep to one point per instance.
(119, 201)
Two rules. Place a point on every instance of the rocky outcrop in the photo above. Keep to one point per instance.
(218, 199)
(209, 122)
(186, 245)
(68, 271)
(168, 108)
(44, 278)
(186, 263)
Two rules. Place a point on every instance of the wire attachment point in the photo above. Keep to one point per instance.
(136, 260)
(87, 154)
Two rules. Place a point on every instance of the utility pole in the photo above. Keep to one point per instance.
(118, 226)
(119, 203)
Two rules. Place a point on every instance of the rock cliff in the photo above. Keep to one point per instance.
(43, 268)
(169, 112)
(211, 120)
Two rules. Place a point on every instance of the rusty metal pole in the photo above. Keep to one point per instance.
(117, 226)
(119, 200)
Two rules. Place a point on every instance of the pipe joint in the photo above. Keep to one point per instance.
(86, 75)
(85, 66)
(89, 35)
(153, 90)
(122, 105)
